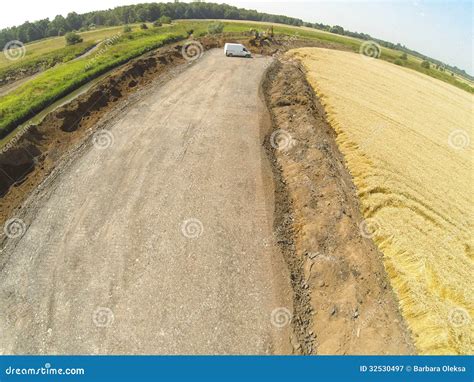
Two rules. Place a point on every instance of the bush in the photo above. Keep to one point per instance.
(165, 20)
(404, 56)
(157, 24)
(425, 64)
(398, 62)
(127, 29)
(72, 38)
(215, 28)
(143, 26)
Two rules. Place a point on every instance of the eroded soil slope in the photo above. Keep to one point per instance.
(343, 301)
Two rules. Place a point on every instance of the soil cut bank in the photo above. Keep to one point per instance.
(343, 300)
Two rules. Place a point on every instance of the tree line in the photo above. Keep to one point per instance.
(139, 13)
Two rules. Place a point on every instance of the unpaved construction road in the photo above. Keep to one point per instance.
(156, 237)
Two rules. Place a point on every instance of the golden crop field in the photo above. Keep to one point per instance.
(406, 140)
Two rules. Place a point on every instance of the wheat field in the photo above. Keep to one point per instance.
(406, 141)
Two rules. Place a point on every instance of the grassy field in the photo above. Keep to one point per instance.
(406, 143)
(69, 74)
(56, 82)
(54, 44)
(46, 53)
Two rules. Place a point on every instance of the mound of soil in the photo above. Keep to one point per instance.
(342, 297)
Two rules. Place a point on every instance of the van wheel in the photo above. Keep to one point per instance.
(230, 55)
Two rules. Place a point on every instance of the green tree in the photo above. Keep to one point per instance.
(73, 38)
(425, 64)
(74, 21)
(165, 19)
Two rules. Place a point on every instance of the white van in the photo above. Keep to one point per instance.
(236, 50)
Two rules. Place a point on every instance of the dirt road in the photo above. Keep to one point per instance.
(157, 236)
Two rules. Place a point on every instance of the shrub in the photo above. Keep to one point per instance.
(404, 56)
(72, 38)
(143, 26)
(425, 64)
(157, 24)
(215, 28)
(127, 29)
(398, 62)
(165, 20)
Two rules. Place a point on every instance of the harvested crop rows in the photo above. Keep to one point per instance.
(406, 140)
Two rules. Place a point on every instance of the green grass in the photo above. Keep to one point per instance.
(28, 99)
(47, 53)
(53, 44)
(33, 96)
(40, 62)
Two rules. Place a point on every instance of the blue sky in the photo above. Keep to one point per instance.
(440, 29)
